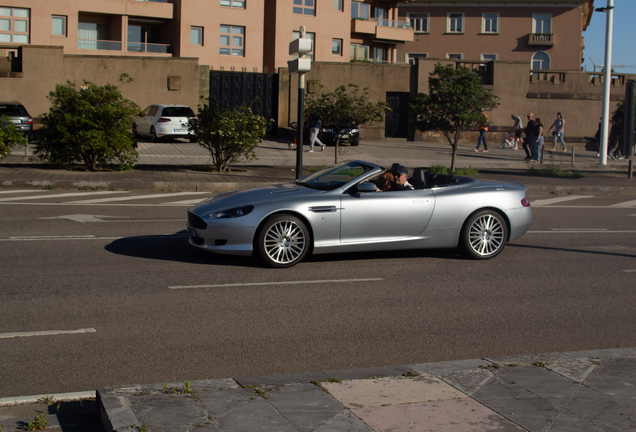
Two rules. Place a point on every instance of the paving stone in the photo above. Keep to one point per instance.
(615, 378)
(258, 415)
(392, 391)
(282, 379)
(216, 384)
(305, 406)
(459, 415)
(517, 404)
(568, 422)
(374, 372)
(468, 381)
(218, 403)
(542, 382)
(449, 366)
(602, 410)
(528, 359)
(601, 354)
(346, 421)
(576, 370)
(168, 412)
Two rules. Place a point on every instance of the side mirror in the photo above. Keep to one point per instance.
(367, 187)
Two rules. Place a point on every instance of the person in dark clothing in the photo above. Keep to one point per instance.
(530, 127)
(400, 182)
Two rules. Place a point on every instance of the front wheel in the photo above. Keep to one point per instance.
(484, 235)
(283, 241)
(355, 142)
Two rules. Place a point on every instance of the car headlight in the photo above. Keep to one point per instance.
(353, 131)
(233, 213)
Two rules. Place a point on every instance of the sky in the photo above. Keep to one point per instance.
(623, 36)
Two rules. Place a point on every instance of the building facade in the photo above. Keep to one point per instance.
(546, 34)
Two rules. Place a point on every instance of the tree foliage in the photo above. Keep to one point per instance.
(453, 105)
(9, 137)
(345, 108)
(90, 125)
(230, 135)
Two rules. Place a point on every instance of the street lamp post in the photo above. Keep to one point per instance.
(607, 78)
(301, 65)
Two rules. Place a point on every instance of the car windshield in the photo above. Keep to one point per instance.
(177, 112)
(334, 176)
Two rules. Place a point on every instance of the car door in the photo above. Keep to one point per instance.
(142, 122)
(382, 216)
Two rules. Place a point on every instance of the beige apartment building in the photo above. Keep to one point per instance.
(545, 34)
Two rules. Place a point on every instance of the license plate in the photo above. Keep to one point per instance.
(192, 232)
(16, 121)
(180, 130)
(345, 136)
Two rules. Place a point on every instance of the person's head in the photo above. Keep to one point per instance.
(559, 115)
(387, 177)
(512, 116)
(538, 120)
(530, 116)
(400, 174)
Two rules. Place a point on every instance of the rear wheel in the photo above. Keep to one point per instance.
(153, 135)
(283, 241)
(134, 131)
(484, 234)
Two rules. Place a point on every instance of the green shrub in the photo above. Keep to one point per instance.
(441, 169)
(90, 125)
(9, 137)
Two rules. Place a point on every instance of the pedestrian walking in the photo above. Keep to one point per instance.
(517, 129)
(614, 147)
(559, 131)
(313, 136)
(529, 134)
(483, 128)
(537, 141)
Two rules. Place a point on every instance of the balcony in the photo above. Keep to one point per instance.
(149, 48)
(384, 29)
(93, 44)
(541, 39)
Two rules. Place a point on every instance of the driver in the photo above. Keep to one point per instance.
(400, 178)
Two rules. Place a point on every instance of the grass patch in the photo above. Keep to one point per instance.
(441, 169)
(555, 171)
(316, 168)
(210, 168)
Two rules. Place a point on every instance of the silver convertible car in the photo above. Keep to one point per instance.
(337, 209)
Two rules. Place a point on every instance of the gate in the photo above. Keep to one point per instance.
(259, 91)
(397, 121)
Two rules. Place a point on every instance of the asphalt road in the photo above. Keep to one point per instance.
(122, 276)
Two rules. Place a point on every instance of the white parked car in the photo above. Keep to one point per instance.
(161, 121)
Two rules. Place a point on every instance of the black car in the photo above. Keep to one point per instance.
(328, 136)
(17, 115)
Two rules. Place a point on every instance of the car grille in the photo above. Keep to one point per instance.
(196, 222)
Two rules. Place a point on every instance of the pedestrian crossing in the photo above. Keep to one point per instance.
(96, 198)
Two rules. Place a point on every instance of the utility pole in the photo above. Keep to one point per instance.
(607, 77)
(301, 65)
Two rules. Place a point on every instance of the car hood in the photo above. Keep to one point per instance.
(284, 191)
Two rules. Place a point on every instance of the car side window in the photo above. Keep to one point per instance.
(153, 111)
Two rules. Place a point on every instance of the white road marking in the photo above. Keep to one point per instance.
(549, 201)
(96, 205)
(51, 237)
(21, 191)
(128, 198)
(630, 271)
(186, 202)
(582, 230)
(54, 238)
(275, 283)
(83, 218)
(64, 195)
(625, 204)
(45, 333)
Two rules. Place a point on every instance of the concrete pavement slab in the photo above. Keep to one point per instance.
(257, 415)
(467, 381)
(374, 372)
(346, 421)
(602, 410)
(391, 391)
(458, 415)
(602, 353)
(542, 382)
(615, 378)
(168, 412)
(568, 422)
(449, 366)
(575, 370)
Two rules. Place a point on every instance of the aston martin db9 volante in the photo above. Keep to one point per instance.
(338, 209)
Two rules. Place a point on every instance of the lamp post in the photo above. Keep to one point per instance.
(607, 78)
(301, 65)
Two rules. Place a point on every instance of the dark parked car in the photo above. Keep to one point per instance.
(328, 136)
(17, 115)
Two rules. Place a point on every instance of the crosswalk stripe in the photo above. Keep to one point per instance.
(549, 201)
(64, 195)
(625, 204)
(128, 198)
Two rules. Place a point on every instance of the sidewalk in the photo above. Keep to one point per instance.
(169, 166)
(573, 391)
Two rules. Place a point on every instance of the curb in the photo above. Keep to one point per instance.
(59, 397)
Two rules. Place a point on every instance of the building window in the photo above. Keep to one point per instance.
(58, 25)
(312, 36)
(379, 55)
(232, 40)
(233, 3)
(540, 61)
(359, 52)
(419, 22)
(94, 36)
(490, 23)
(541, 23)
(455, 23)
(14, 25)
(337, 5)
(336, 47)
(304, 7)
(454, 56)
(489, 57)
(359, 10)
(410, 57)
(196, 35)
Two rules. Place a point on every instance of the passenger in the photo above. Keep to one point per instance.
(400, 181)
(385, 181)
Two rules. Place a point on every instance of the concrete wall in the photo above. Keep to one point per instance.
(43, 67)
